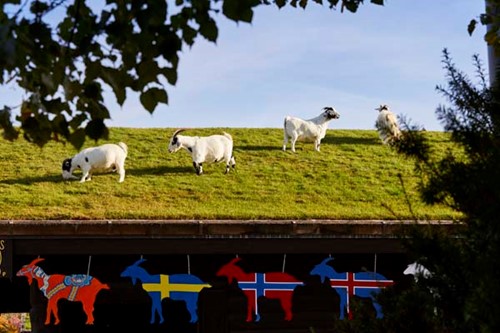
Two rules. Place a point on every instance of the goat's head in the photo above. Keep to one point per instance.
(134, 271)
(330, 113)
(382, 107)
(174, 144)
(417, 270)
(323, 270)
(230, 270)
(27, 270)
(67, 168)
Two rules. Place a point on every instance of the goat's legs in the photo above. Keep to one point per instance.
(231, 162)
(294, 139)
(285, 141)
(198, 167)
(121, 172)
(85, 175)
(317, 144)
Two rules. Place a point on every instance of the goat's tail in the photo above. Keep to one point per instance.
(227, 135)
(123, 146)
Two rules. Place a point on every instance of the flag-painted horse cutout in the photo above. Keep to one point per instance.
(183, 287)
(348, 284)
(273, 285)
(77, 288)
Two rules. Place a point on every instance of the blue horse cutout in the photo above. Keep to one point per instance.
(348, 284)
(181, 287)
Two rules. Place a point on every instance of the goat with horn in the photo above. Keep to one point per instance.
(209, 149)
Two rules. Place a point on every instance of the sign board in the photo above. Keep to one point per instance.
(5, 258)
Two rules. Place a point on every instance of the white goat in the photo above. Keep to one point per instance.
(108, 157)
(210, 149)
(308, 130)
(417, 270)
(387, 125)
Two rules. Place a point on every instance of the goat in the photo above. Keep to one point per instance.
(308, 130)
(183, 287)
(108, 157)
(417, 270)
(387, 125)
(210, 149)
(78, 288)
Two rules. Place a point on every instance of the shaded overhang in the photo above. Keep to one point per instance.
(33, 237)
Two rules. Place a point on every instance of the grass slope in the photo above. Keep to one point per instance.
(353, 177)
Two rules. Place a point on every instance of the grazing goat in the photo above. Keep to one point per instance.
(183, 287)
(308, 130)
(108, 157)
(78, 288)
(387, 125)
(210, 149)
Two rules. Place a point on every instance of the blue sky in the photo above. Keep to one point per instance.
(295, 62)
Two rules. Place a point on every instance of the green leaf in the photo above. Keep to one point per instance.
(209, 30)
(189, 34)
(96, 129)
(239, 10)
(378, 2)
(350, 5)
(471, 27)
(280, 3)
(170, 74)
(9, 132)
(147, 71)
(60, 125)
(152, 97)
(77, 138)
(117, 81)
(303, 4)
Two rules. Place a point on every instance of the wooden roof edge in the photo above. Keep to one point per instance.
(211, 228)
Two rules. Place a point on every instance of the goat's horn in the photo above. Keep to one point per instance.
(235, 260)
(326, 260)
(138, 262)
(36, 261)
(178, 131)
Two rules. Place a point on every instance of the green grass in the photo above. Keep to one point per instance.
(353, 177)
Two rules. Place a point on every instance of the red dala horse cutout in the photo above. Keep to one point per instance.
(77, 288)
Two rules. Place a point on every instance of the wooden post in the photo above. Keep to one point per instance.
(493, 58)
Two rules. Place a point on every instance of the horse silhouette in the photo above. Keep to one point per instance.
(184, 287)
(272, 285)
(78, 288)
(348, 284)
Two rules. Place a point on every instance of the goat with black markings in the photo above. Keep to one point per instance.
(105, 158)
(209, 149)
(308, 130)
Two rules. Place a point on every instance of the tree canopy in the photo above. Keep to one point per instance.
(461, 293)
(63, 64)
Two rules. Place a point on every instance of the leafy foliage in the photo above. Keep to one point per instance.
(463, 289)
(491, 19)
(64, 65)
